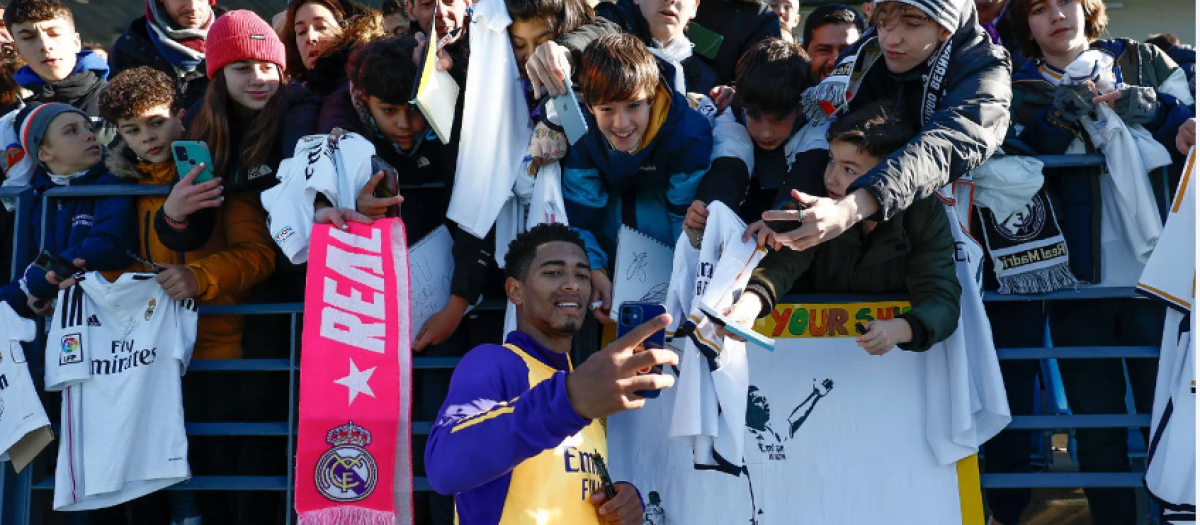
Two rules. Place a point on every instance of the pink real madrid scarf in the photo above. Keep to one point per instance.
(354, 454)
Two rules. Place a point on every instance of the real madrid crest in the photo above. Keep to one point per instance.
(150, 308)
(347, 472)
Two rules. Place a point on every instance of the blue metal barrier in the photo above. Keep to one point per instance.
(15, 490)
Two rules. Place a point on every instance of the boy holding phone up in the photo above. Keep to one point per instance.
(91, 233)
(140, 103)
(911, 253)
(641, 161)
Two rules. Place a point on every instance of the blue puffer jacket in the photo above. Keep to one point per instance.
(80, 89)
(98, 230)
(649, 190)
(1077, 190)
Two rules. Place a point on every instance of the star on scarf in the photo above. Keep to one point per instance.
(356, 382)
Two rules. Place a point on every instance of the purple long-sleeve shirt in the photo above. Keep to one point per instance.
(493, 421)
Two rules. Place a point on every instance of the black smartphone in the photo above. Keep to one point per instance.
(787, 226)
(50, 262)
(610, 491)
(389, 186)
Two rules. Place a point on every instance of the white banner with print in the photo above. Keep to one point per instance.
(833, 436)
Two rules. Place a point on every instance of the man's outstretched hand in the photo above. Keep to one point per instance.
(606, 383)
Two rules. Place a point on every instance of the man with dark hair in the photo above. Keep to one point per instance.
(829, 30)
(169, 37)
(58, 69)
(395, 18)
(520, 433)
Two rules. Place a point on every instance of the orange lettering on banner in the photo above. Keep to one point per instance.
(825, 320)
(781, 320)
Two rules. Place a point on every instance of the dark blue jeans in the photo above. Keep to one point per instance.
(1097, 386)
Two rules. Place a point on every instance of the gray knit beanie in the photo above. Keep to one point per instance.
(944, 12)
(32, 121)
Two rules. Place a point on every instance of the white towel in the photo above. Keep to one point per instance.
(1130, 153)
(496, 127)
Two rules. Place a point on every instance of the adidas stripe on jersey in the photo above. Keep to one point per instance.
(117, 351)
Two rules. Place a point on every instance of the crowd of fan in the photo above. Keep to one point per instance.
(249, 89)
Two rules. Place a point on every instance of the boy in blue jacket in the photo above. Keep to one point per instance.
(1053, 34)
(94, 233)
(59, 69)
(519, 435)
(642, 159)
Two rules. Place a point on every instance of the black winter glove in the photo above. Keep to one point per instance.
(1072, 102)
(1137, 105)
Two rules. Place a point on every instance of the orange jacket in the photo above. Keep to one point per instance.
(236, 257)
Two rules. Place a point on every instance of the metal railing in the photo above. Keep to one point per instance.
(16, 490)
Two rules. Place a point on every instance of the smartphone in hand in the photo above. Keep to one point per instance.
(571, 116)
(49, 262)
(630, 316)
(787, 226)
(190, 153)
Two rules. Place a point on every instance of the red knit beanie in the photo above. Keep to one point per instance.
(242, 35)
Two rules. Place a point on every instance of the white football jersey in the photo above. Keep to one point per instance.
(21, 411)
(117, 351)
(1170, 277)
(713, 374)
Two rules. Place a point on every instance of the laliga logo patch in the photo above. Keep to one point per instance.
(72, 349)
(347, 472)
(150, 308)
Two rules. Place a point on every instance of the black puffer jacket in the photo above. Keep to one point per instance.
(742, 23)
(968, 125)
(135, 49)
